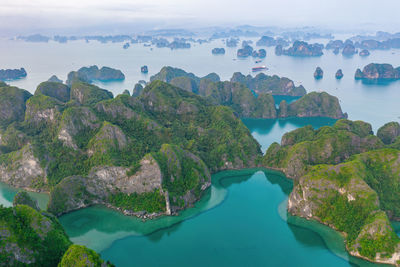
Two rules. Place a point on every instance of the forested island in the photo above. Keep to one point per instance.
(346, 177)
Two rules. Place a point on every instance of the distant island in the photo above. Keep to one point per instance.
(93, 73)
(378, 72)
(218, 51)
(301, 49)
(12, 74)
(253, 97)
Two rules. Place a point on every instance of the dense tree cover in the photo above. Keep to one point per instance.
(149, 201)
(80, 256)
(306, 147)
(357, 196)
(94, 129)
(41, 238)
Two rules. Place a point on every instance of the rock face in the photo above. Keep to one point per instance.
(89, 74)
(302, 49)
(245, 51)
(22, 169)
(56, 90)
(241, 99)
(339, 74)
(377, 72)
(54, 79)
(349, 50)
(87, 94)
(12, 104)
(389, 132)
(273, 85)
(9, 74)
(279, 50)
(335, 44)
(22, 198)
(364, 53)
(305, 147)
(349, 198)
(30, 238)
(218, 51)
(261, 53)
(144, 69)
(315, 105)
(137, 90)
(319, 73)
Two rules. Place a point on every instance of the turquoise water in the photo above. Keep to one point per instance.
(242, 219)
(7, 194)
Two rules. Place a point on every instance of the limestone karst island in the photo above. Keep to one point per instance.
(192, 134)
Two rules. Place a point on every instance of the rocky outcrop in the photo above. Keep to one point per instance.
(137, 90)
(339, 74)
(273, 85)
(74, 121)
(378, 72)
(343, 197)
(87, 94)
(23, 198)
(349, 50)
(93, 73)
(389, 132)
(315, 105)
(241, 99)
(9, 74)
(218, 51)
(261, 53)
(22, 169)
(301, 49)
(39, 240)
(305, 147)
(54, 79)
(77, 255)
(56, 90)
(319, 73)
(12, 104)
(245, 51)
(42, 109)
(364, 53)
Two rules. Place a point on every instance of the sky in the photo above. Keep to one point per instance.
(18, 16)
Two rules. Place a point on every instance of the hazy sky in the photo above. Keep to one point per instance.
(22, 15)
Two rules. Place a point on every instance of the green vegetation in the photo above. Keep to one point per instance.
(12, 105)
(88, 94)
(184, 173)
(389, 132)
(357, 196)
(148, 201)
(94, 131)
(314, 104)
(56, 90)
(23, 198)
(273, 85)
(306, 147)
(30, 237)
(80, 256)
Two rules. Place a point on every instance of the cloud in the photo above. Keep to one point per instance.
(28, 14)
